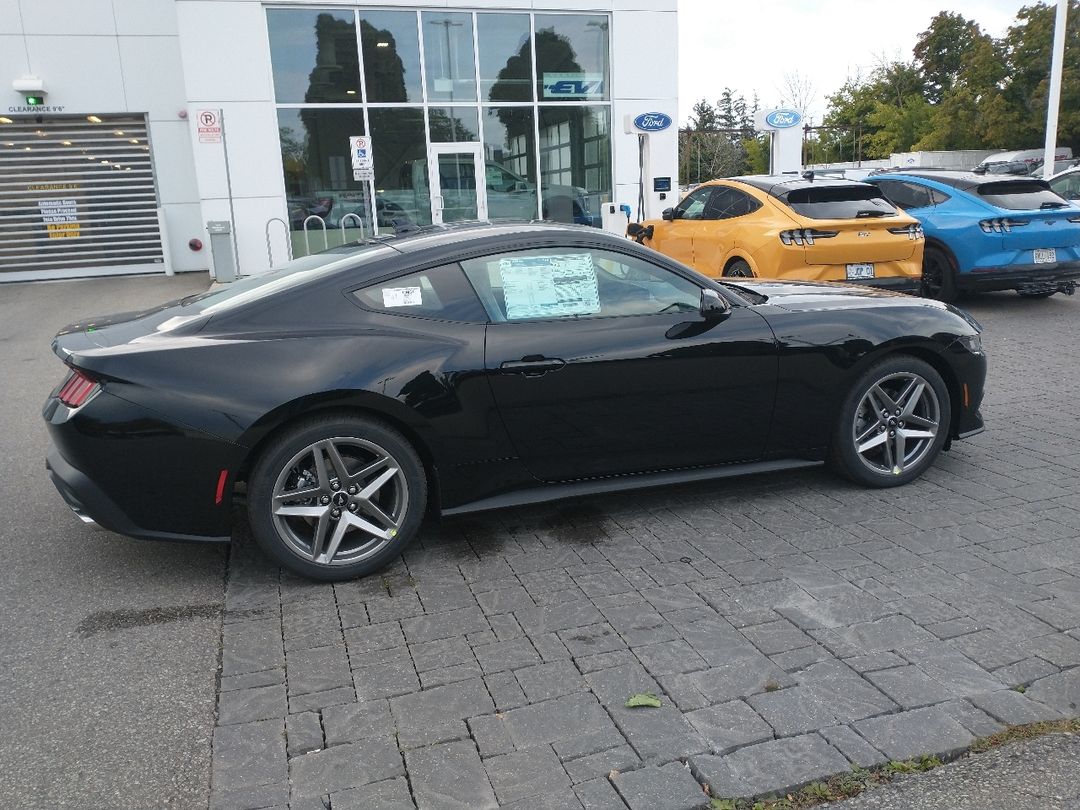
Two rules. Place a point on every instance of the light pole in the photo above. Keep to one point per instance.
(1053, 101)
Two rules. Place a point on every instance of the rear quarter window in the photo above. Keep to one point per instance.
(839, 202)
(1028, 195)
(442, 293)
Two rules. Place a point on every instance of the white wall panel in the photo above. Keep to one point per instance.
(183, 223)
(145, 17)
(645, 54)
(225, 51)
(153, 79)
(83, 17)
(173, 164)
(81, 73)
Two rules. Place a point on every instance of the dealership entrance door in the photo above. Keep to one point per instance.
(456, 177)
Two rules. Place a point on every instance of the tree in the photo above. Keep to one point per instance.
(703, 117)
(797, 91)
(942, 49)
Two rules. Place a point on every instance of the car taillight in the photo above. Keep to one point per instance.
(914, 232)
(1001, 224)
(77, 389)
(800, 236)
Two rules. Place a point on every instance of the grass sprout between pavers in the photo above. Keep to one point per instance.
(859, 780)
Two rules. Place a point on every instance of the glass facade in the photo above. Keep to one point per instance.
(530, 90)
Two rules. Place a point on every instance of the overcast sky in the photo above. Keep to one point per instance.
(750, 46)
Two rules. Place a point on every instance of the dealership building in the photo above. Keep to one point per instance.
(148, 136)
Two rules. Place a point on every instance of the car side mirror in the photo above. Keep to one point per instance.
(668, 214)
(713, 305)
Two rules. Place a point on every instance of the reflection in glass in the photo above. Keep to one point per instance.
(448, 56)
(453, 124)
(401, 181)
(318, 177)
(457, 186)
(510, 162)
(575, 162)
(505, 57)
(313, 54)
(391, 56)
(572, 57)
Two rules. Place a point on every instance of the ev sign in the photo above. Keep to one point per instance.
(209, 124)
(573, 85)
(363, 164)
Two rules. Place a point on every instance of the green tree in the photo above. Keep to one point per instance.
(942, 50)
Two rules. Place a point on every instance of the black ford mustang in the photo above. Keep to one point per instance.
(455, 369)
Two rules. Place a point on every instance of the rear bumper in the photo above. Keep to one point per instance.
(1056, 275)
(902, 284)
(87, 500)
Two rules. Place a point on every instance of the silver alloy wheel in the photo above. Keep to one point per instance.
(896, 423)
(340, 500)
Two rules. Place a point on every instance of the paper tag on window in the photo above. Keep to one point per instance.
(549, 286)
(402, 297)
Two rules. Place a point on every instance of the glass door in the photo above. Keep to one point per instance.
(456, 175)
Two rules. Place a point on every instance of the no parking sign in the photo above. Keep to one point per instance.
(362, 163)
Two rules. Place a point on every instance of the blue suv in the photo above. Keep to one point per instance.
(989, 232)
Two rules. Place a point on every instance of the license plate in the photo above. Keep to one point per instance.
(855, 272)
(1044, 255)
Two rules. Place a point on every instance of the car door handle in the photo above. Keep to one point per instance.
(532, 365)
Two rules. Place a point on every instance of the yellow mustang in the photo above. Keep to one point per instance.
(791, 227)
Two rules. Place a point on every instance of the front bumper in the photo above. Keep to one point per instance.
(1058, 276)
(903, 284)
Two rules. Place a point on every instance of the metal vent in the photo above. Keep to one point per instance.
(77, 196)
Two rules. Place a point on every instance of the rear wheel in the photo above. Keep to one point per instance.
(893, 423)
(337, 497)
(939, 275)
(738, 269)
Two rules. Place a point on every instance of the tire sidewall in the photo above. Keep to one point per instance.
(741, 265)
(947, 292)
(844, 455)
(282, 449)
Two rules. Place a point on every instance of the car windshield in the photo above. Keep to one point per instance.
(289, 275)
(840, 202)
(1023, 195)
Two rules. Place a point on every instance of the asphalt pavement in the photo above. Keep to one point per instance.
(109, 647)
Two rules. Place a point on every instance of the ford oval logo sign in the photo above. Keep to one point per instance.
(782, 119)
(652, 122)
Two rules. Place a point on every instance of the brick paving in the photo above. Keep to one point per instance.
(791, 625)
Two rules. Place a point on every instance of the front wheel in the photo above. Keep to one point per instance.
(336, 497)
(893, 423)
(738, 269)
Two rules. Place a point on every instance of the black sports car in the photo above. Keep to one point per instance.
(348, 394)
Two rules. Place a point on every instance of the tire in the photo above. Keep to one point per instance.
(939, 275)
(332, 471)
(869, 415)
(738, 269)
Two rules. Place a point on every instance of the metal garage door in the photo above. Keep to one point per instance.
(77, 197)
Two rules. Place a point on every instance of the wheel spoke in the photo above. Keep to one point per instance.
(377, 484)
(378, 514)
(369, 470)
(318, 539)
(320, 467)
(298, 495)
(336, 461)
(866, 434)
(886, 401)
(921, 422)
(371, 528)
(917, 434)
(911, 397)
(335, 539)
(301, 511)
(874, 441)
(900, 451)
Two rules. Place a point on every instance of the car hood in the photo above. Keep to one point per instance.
(802, 296)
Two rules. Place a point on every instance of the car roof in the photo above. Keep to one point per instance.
(782, 184)
(964, 181)
(427, 237)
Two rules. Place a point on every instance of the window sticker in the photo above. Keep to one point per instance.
(549, 286)
(402, 297)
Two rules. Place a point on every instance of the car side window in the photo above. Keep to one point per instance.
(938, 196)
(693, 205)
(442, 293)
(727, 203)
(1068, 186)
(906, 195)
(570, 283)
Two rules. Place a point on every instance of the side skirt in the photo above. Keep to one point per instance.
(599, 486)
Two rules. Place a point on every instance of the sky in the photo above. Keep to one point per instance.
(750, 46)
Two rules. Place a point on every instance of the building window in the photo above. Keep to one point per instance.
(412, 78)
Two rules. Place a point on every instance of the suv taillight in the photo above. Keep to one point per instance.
(914, 232)
(800, 236)
(77, 389)
(1001, 224)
